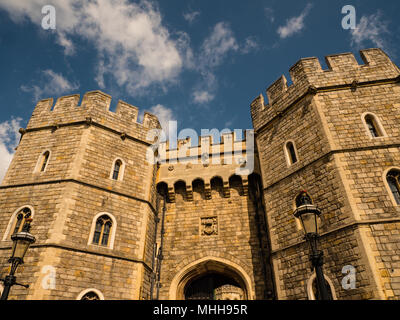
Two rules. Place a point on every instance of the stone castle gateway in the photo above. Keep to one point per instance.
(111, 225)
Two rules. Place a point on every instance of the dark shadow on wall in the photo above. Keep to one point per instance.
(259, 241)
(198, 189)
(217, 186)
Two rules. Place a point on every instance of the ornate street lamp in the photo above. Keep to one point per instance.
(308, 215)
(21, 242)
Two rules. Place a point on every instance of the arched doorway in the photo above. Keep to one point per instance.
(213, 286)
(211, 279)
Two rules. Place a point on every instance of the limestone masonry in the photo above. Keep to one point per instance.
(111, 225)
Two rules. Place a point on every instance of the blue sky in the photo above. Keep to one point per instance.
(198, 62)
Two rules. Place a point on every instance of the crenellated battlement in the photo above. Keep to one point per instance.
(93, 109)
(231, 146)
(233, 156)
(308, 76)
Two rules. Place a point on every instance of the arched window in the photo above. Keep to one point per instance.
(291, 153)
(43, 162)
(17, 221)
(118, 169)
(90, 294)
(393, 180)
(20, 220)
(102, 231)
(373, 125)
(312, 288)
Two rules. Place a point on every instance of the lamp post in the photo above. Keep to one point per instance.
(21, 242)
(308, 215)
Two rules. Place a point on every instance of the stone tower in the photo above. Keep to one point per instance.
(336, 135)
(81, 174)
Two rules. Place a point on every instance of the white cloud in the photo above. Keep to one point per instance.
(202, 96)
(165, 116)
(371, 29)
(9, 139)
(134, 48)
(217, 45)
(249, 45)
(191, 16)
(52, 84)
(213, 51)
(294, 25)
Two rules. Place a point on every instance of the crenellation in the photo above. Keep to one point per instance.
(257, 108)
(229, 149)
(127, 111)
(343, 70)
(377, 57)
(276, 89)
(301, 70)
(94, 109)
(42, 107)
(151, 121)
(96, 100)
(344, 62)
(66, 103)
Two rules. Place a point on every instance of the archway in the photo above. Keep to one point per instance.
(213, 286)
(211, 279)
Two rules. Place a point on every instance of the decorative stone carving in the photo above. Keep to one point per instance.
(209, 226)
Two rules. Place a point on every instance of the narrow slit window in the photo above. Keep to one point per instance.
(106, 233)
(372, 126)
(117, 169)
(291, 152)
(97, 231)
(45, 159)
(393, 179)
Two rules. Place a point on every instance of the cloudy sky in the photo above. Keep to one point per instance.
(200, 62)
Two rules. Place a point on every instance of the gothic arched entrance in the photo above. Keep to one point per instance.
(213, 286)
(211, 279)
